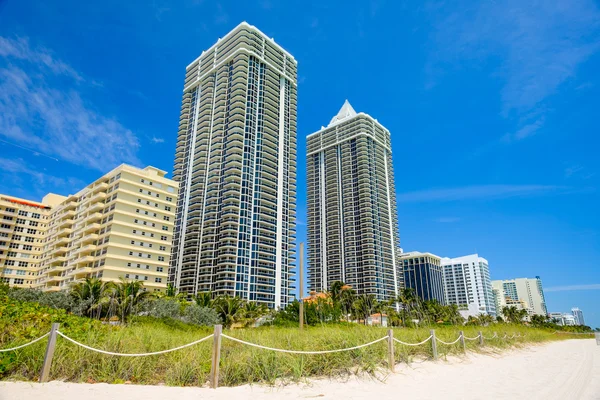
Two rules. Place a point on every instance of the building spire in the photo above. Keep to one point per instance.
(345, 112)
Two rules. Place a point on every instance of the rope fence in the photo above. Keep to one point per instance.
(110, 353)
(218, 335)
(413, 344)
(26, 344)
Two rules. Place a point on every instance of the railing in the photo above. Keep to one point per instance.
(218, 335)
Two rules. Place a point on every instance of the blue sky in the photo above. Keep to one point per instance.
(492, 106)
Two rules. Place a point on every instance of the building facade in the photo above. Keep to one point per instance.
(235, 162)
(23, 225)
(351, 200)
(423, 273)
(525, 290)
(467, 284)
(121, 225)
(578, 314)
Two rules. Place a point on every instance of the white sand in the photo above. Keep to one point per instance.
(560, 370)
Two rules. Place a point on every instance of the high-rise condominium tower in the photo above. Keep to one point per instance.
(352, 217)
(236, 166)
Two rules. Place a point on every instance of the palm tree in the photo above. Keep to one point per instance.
(253, 311)
(363, 306)
(204, 299)
(91, 295)
(127, 295)
(230, 309)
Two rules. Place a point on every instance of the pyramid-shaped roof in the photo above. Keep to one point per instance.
(345, 112)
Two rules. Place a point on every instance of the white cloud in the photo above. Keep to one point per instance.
(479, 192)
(42, 106)
(157, 140)
(15, 170)
(535, 47)
(594, 286)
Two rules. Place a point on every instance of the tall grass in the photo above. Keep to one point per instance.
(242, 364)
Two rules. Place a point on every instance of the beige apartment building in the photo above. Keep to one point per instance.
(121, 225)
(23, 224)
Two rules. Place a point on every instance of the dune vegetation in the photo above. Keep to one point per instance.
(152, 330)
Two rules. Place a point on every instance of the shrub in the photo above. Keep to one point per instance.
(195, 314)
(164, 308)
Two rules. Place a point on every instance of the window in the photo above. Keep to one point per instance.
(167, 208)
(31, 231)
(35, 215)
(163, 238)
(158, 280)
(166, 218)
(169, 199)
(163, 248)
(161, 258)
(127, 276)
(159, 269)
(27, 247)
(20, 221)
(18, 281)
(165, 228)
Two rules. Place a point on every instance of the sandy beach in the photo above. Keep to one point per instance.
(559, 370)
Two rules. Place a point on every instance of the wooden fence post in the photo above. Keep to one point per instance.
(480, 338)
(391, 357)
(216, 357)
(462, 341)
(433, 344)
(49, 353)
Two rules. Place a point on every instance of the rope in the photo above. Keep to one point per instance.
(471, 338)
(132, 355)
(490, 338)
(303, 352)
(26, 344)
(413, 344)
(441, 341)
(574, 333)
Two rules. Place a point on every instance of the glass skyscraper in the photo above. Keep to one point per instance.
(351, 198)
(423, 273)
(235, 162)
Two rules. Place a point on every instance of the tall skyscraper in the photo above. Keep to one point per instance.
(467, 284)
(527, 290)
(352, 218)
(578, 314)
(235, 162)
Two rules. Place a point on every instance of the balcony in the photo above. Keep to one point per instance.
(59, 250)
(64, 232)
(94, 217)
(61, 240)
(91, 228)
(100, 187)
(98, 197)
(65, 223)
(87, 249)
(58, 260)
(89, 238)
(81, 272)
(96, 207)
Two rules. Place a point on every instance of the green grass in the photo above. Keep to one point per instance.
(240, 364)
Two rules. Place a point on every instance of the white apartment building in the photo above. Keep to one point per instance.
(121, 225)
(525, 290)
(351, 200)
(578, 314)
(235, 162)
(467, 284)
